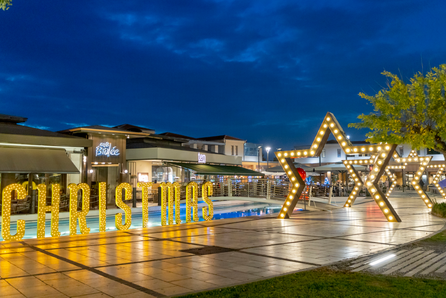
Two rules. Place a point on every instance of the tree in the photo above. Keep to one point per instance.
(409, 113)
(4, 4)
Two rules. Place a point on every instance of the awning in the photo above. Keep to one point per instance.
(203, 169)
(338, 168)
(35, 160)
(296, 165)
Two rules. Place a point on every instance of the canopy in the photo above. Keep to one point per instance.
(337, 167)
(296, 165)
(35, 160)
(203, 169)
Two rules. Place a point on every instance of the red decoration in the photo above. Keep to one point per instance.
(302, 173)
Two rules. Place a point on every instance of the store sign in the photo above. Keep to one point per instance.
(170, 202)
(143, 177)
(201, 158)
(106, 149)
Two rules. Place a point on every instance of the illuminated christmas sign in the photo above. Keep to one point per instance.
(106, 149)
(168, 204)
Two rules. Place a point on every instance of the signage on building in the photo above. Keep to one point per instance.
(143, 177)
(106, 149)
(201, 158)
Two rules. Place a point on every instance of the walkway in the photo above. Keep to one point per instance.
(164, 261)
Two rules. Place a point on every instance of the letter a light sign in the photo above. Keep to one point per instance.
(380, 157)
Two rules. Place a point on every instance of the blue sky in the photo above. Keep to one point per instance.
(264, 71)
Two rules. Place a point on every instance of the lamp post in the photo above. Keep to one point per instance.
(267, 156)
(258, 157)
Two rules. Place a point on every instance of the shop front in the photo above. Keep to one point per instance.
(162, 164)
(106, 159)
(30, 156)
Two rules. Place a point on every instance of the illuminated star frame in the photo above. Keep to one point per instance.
(349, 165)
(423, 163)
(392, 175)
(382, 155)
(437, 178)
(393, 179)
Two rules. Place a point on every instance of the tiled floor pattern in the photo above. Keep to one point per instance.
(152, 262)
(406, 262)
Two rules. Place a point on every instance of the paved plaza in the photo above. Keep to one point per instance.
(175, 260)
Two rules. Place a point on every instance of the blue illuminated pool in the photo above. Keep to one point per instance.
(222, 210)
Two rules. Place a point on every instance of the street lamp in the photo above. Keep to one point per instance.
(267, 156)
(258, 157)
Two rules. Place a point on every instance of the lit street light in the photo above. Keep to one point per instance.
(267, 156)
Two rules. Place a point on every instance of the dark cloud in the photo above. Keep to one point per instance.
(265, 71)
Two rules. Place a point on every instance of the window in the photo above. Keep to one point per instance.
(232, 150)
(339, 152)
(401, 151)
(236, 150)
(323, 153)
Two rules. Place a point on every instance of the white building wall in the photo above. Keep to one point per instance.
(251, 158)
(331, 154)
(235, 143)
(143, 166)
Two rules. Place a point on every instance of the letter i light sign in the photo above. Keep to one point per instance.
(381, 155)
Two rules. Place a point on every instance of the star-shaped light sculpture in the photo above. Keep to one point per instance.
(392, 178)
(382, 155)
(423, 163)
(349, 164)
(391, 175)
(441, 168)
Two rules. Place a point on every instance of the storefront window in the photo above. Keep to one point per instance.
(166, 173)
(29, 204)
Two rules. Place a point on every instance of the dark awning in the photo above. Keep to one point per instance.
(35, 160)
(296, 165)
(203, 169)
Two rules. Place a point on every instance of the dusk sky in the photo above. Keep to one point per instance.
(263, 71)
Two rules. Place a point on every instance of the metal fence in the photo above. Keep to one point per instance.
(229, 187)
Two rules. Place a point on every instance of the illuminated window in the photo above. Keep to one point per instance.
(401, 151)
(339, 152)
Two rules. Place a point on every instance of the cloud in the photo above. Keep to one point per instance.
(257, 70)
(75, 124)
(35, 126)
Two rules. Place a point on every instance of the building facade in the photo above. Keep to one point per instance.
(31, 156)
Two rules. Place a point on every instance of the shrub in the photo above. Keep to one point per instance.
(439, 209)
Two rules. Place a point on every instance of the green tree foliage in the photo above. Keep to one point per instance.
(412, 113)
(4, 4)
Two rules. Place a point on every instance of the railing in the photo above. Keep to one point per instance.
(231, 187)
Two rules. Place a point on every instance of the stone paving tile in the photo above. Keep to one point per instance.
(391, 236)
(96, 295)
(152, 259)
